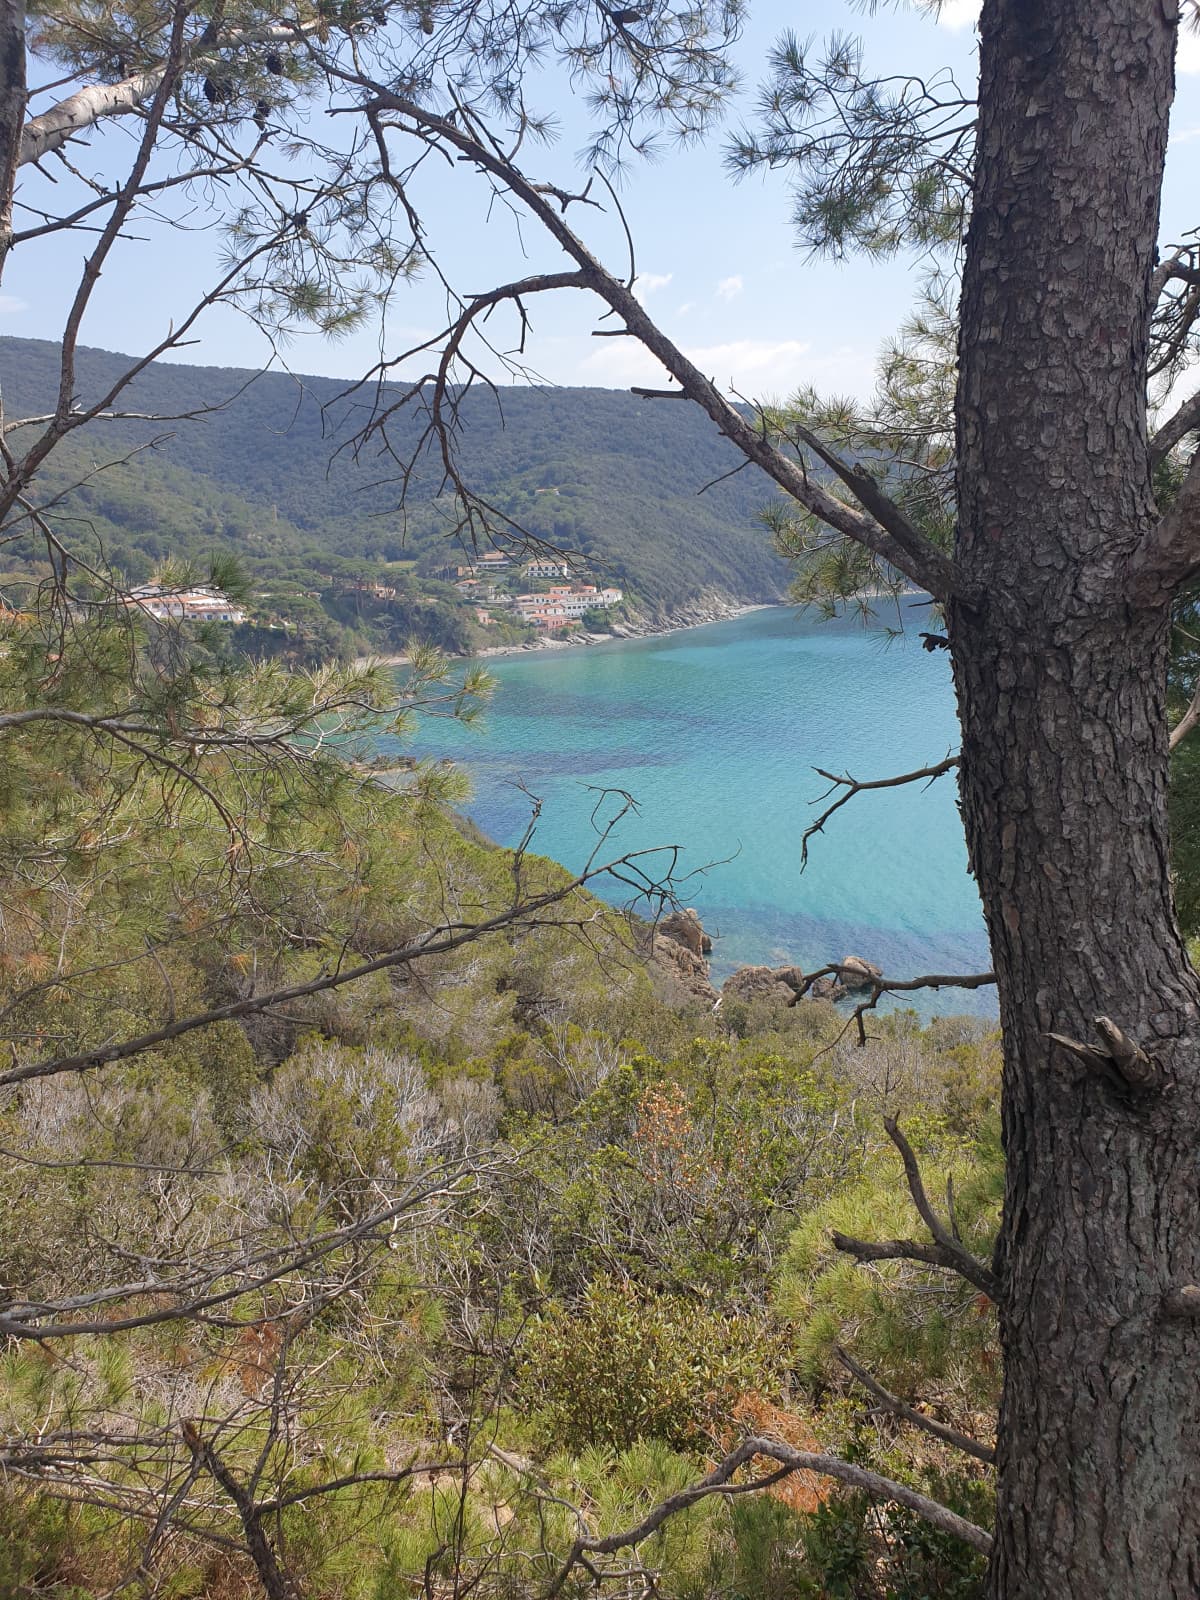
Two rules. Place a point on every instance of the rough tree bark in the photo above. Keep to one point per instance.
(12, 111)
(1061, 679)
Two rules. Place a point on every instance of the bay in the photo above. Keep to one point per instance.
(715, 732)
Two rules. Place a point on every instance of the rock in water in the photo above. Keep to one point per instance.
(856, 973)
(687, 968)
(685, 927)
(679, 947)
(779, 985)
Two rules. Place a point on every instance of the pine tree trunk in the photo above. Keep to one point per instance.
(12, 112)
(1061, 687)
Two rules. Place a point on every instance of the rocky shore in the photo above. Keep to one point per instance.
(696, 614)
(679, 948)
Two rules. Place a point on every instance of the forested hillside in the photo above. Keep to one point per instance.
(600, 472)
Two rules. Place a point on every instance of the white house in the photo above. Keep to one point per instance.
(199, 604)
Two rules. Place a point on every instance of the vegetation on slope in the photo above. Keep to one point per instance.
(268, 475)
(407, 1283)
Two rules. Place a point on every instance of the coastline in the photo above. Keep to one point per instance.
(698, 617)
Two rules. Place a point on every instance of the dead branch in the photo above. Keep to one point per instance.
(440, 399)
(1169, 553)
(353, 1480)
(881, 986)
(867, 491)
(275, 1581)
(945, 1251)
(719, 1481)
(914, 555)
(855, 786)
(1172, 432)
(901, 1408)
(1191, 716)
(208, 1285)
(1175, 302)
(438, 941)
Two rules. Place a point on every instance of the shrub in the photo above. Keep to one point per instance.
(622, 1367)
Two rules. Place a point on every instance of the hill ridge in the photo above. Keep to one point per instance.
(266, 474)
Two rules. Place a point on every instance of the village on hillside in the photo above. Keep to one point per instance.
(492, 583)
(493, 590)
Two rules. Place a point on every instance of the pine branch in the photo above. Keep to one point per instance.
(51, 129)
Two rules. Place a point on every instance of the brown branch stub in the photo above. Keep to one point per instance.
(1138, 1069)
(1117, 1059)
(1183, 1304)
(900, 1408)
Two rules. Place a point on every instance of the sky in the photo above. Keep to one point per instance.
(717, 263)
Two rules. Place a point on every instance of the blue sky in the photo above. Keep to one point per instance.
(717, 262)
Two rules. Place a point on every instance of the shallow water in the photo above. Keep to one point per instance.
(715, 732)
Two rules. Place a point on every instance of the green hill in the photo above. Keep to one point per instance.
(597, 471)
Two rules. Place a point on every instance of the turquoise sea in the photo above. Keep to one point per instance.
(715, 733)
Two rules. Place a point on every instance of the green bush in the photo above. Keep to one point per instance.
(623, 1367)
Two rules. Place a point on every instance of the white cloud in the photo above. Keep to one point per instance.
(1186, 136)
(10, 305)
(959, 14)
(646, 283)
(1188, 57)
(754, 367)
(751, 367)
(730, 288)
(620, 363)
(688, 305)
